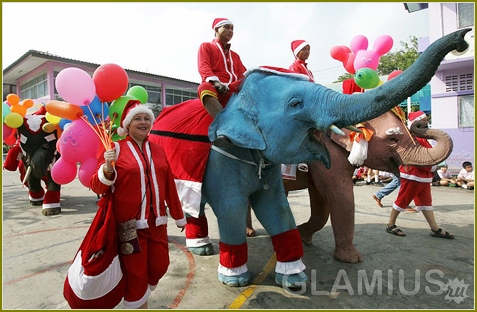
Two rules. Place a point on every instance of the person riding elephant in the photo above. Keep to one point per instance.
(274, 107)
(32, 155)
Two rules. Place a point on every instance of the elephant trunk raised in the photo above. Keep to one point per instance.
(379, 100)
(421, 156)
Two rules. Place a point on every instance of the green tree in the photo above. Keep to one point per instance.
(391, 61)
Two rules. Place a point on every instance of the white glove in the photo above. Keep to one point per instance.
(109, 159)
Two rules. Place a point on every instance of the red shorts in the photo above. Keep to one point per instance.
(411, 190)
(207, 88)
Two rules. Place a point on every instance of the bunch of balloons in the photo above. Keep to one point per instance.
(360, 62)
(13, 111)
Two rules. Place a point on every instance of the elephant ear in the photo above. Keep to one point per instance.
(238, 122)
(342, 140)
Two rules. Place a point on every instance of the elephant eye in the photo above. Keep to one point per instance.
(295, 103)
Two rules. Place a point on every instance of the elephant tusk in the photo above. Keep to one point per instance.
(27, 175)
(336, 130)
(354, 129)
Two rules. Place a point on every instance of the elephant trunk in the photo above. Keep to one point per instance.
(422, 156)
(345, 110)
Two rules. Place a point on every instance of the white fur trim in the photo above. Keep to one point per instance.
(222, 23)
(301, 46)
(197, 242)
(293, 267)
(91, 287)
(359, 152)
(181, 222)
(276, 72)
(103, 178)
(212, 78)
(161, 220)
(140, 302)
(50, 205)
(189, 194)
(232, 271)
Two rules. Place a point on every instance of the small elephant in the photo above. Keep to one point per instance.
(280, 118)
(32, 155)
(332, 193)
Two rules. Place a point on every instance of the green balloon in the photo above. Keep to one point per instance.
(117, 107)
(366, 78)
(139, 93)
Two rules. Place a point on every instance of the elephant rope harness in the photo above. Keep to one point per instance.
(261, 165)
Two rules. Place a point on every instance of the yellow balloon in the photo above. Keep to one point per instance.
(13, 120)
(49, 127)
(52, 118)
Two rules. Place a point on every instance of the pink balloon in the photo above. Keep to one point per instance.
(86, 171)
(6, 131)
(75, 86)
(78, 142)
(358, 42)
(370, 58)
(63, 172)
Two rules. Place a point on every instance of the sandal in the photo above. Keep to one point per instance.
(395, 230)
(442, 234)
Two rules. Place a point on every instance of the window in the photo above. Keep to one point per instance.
(35, 88)
(153, 92)
(176, 96)
(466, 111)
(462, 82)
(465, 15)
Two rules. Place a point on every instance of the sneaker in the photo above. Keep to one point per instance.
(378, 201)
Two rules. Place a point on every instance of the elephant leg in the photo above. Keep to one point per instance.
(36, 193)
(51, 202)
(318, 216)
(273, 211)
(197, 234)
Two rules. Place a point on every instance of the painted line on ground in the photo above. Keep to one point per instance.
(240, 300)
(190, 276)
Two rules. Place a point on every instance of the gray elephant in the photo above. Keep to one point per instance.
(281, 118)
(332, 194)
(32, 155)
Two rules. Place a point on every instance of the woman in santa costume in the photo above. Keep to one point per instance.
(416, 185)
(138, 174)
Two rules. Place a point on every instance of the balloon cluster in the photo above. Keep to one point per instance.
(84, 121)
(360, 62)
(13, 111)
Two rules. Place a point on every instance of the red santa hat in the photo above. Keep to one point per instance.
(132, 108)
(220, 21)
(419, 115)
(297, 45)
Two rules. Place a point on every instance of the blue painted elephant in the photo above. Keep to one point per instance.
(280, 118)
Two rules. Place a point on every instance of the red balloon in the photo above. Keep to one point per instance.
(111, 82)
(394, 74)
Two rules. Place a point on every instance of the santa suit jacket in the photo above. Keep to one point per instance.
(300, 67)
(142, 184)
(215, 65)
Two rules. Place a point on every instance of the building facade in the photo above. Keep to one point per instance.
(33, 75)
(452, 87)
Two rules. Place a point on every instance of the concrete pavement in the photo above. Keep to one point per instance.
(412, 272)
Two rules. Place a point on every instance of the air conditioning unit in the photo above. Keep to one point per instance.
(469, 52)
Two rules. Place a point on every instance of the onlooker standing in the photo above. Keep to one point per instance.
(416, 185)
(465, 178)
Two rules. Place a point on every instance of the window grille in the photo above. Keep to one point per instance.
(465, 15)
(466, 111)
(462, 82)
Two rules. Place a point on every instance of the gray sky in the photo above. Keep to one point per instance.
(163, 38)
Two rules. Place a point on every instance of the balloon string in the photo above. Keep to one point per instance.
(103, 134)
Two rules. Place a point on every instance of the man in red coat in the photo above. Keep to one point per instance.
(221, 71)
(416, 185)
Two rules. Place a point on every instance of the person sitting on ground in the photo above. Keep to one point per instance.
(358, 174)
(385, 177)
(445, 177)
(372, 174)
(465, 178)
